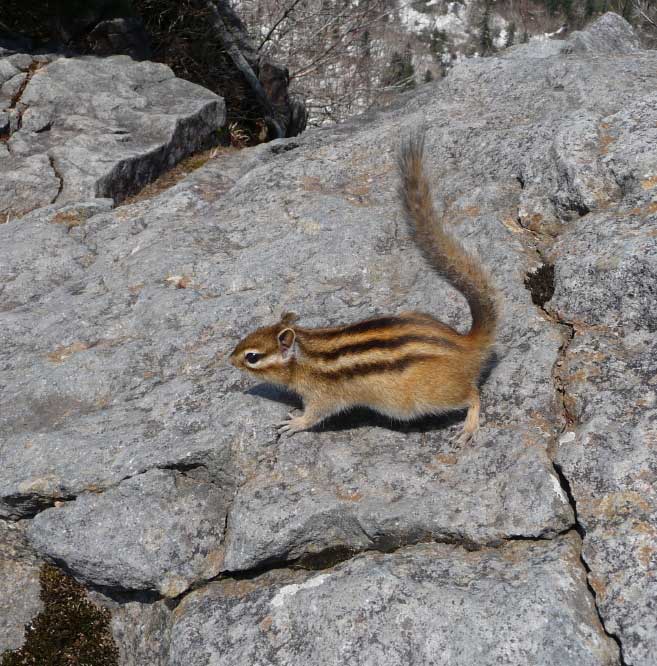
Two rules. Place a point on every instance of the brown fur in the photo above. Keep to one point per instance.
(403, 366)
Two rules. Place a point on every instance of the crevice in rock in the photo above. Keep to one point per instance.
(46, 128)
(543, 538)
(284, 148)
(322, 561)
(565, 484)
(16, 99)
(59, 177)
(181, 467)
(171, 176)
(541, 284)
(332, 556)
(560, 389)
(30, 504)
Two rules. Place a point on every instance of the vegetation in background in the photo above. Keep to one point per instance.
(182, 37)
(400, 72)
(485, 36)
(343, 56)
(510, 35)
(62, 21)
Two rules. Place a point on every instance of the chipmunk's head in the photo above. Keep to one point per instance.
(269, 352)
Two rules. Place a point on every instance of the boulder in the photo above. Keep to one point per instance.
(177, 521)
(90, 127)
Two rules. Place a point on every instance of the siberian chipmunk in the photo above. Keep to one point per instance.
(403, 366)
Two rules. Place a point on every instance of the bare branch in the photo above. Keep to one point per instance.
(638, 6)
(286, 13)
(242, 64)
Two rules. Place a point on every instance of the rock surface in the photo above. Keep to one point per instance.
(118, 406)
(609, 378)
(95, 127)
(19, 573)
(166, 530)
(424, 605)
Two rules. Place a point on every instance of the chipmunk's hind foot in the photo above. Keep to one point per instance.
(471, 425)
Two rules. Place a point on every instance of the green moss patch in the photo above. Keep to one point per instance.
(70, 631)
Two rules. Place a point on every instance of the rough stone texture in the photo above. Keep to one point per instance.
(609, 378)
(141, 631)
(161, 531)
(609, 34)
(422, 605)
(25, 183)
(96, 127)
(114, 338)
(19, 585)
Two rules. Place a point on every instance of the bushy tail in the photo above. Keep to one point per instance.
(446, 255)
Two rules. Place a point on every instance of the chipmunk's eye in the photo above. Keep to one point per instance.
(252, 357)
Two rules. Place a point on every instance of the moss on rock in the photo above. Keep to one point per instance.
(69, 631)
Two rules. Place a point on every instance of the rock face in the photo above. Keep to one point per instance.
(147, 466)
(19, 573)
(411, 607)
(80, 128)
(179, 523)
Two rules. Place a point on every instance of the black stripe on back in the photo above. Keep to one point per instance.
(360, 327)
(362, 369)
(378, 343)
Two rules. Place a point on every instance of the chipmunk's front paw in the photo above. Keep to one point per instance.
(293, 424)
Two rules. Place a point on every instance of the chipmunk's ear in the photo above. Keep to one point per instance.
(286, 339)
(289, 318)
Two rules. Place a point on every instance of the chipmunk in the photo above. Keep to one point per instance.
(403, 366)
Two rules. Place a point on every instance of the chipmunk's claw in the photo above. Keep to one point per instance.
(466, 437)
(293, 425)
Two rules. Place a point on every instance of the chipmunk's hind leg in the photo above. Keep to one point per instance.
(471, 425)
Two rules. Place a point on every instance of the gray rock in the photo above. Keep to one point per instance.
(28, 181)
(141, 632)
(606, 268)
(161, 531)
(525, 603)
(107, 127)
(19, 572)
(7, 70)
(608, 34)
(116, 324)
(606, 276)
(22, 61)
(377, 493)
(609, 459)
(11, 87)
